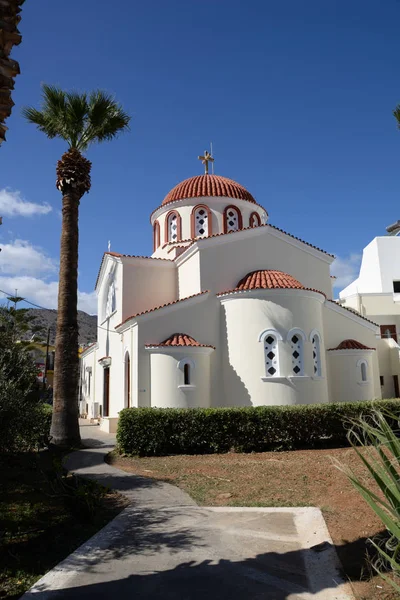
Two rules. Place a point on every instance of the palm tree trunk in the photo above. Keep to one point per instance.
(65, 425)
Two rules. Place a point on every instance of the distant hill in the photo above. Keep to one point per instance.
(47, 318)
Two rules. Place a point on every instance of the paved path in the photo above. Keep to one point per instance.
(163, 546)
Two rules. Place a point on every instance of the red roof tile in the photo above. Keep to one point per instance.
(162, 306)
(268, 280)
(203, 186)
(180, 339)
(351, 345)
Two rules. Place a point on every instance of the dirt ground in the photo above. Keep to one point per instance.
(300, 478)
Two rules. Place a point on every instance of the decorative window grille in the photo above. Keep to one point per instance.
(173, 228)
(296, 345)
(271, 355)
(255, 220)
(316, 349)
(232, 220)
(201, 222)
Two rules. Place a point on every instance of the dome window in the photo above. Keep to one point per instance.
(255, 220)
(156, 235)
(173, 227)
(232, 219)
(201, 221)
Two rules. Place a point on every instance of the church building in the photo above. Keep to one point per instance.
(227, 311)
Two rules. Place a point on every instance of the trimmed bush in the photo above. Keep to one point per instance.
(163, 431)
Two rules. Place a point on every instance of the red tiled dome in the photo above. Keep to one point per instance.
(351, 345)
(203, 186)
(268, 280)
(180, 339)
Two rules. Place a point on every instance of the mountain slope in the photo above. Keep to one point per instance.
(47, 318)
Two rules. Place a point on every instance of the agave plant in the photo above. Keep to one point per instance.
(376, 443)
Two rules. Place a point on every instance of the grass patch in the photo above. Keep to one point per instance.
(39, 525)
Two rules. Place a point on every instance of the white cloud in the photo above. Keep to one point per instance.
(21, 258)
(13, 205)
(346, 269)
(44, 293)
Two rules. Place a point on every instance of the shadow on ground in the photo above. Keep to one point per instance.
(264, 577)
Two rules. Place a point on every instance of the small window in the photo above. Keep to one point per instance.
(255, 220)
(316, 351)
(296, 338)
(201, 221)
(382, 380)
(270, 339)
(396, 287)
(363, 367)
(156, 233)
(186, 374)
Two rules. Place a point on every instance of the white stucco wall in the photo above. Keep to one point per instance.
(246, 317)
(380, 266)
(147, 283)
(167, 378)
(346, 384)
(231, 257)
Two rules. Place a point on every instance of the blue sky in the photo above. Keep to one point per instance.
(297, 98)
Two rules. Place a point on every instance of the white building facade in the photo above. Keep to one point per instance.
(228, 311)
(375, 294)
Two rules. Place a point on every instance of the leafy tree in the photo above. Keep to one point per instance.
(80, 120)
(23, 422)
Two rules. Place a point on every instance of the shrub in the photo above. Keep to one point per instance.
(163, 431)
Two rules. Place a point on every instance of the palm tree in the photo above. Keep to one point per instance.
(80, 120)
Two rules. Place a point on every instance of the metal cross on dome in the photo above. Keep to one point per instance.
(205, 160)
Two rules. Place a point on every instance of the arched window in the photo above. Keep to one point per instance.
(255, 220)
(156, 235)
(186, 374)
(315, 340)
(296, 339)
(232, 219)
(173, 227)
(201, 221)
(363, 366)
(186, 366)
(270, 339)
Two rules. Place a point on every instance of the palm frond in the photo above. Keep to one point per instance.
(78, 118)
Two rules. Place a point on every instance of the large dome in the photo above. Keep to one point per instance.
(203, 186)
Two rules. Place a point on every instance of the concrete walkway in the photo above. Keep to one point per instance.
(163, 546)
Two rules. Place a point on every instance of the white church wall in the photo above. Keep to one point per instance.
(147, 284)
(167, 378)
(189, 276)
(230, 258)
(244, 370)
(346, 384)
(384, 350)
(88, 378)
(196, 317)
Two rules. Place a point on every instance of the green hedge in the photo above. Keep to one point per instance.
(163, 431)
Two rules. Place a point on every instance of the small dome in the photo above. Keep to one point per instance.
(180, 339)
(203, 186)
(268, 280)
(351, 345)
